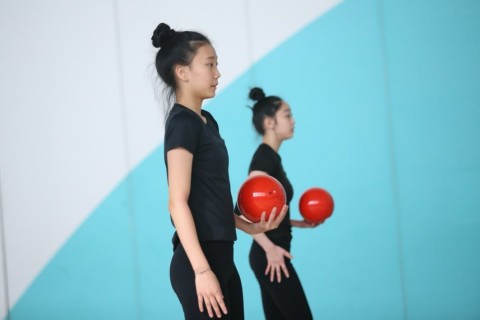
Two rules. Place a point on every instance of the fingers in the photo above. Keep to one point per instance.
(272, 274)
(262, 217)
(209, 308)
(209, 294)
(270, 223)
(285, 271)
(213, 304)
(283, 212)
(278, 273)
(217, 304)
(271, 218)
(275, 219)
(275, 271)
(270, 269)
(222, 306)
(200, 302)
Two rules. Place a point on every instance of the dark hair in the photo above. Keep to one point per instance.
(264, 107)
(176, 48)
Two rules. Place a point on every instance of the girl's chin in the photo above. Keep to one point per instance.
(211, 93)
(209, 96)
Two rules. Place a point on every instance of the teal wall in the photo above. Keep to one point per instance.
(386, 96)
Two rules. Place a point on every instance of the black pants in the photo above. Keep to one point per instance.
(219, 255)
(284, 300)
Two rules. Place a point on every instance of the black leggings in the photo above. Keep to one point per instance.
(219, 255)
(284, 300)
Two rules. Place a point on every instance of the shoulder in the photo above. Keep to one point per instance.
(265, 157)
(180, 115)
(265, 151)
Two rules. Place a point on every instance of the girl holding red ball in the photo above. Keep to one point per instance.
(282, 293)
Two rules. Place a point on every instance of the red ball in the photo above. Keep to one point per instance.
(316, 205)
(258, 194)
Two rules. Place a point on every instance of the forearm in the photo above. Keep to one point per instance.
(185, 226)
(263, 241)
(296, 223)
(260, 238)
(242, 224)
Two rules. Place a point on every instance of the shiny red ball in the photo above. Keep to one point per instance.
(260, 194)
(316, 205)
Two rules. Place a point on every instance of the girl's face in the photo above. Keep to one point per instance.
(203, 72)
(284, 122)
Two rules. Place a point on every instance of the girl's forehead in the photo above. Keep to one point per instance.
(284, 107)
(206, 51)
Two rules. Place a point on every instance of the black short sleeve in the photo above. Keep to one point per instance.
(183, 130)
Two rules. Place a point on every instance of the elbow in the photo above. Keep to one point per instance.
(176, 204)
(171, 205)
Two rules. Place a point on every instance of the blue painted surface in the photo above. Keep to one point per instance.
(435, 82)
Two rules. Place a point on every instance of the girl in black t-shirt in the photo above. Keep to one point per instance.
(282, 293)
(202, 271)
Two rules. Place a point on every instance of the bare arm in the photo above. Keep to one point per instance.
(263, 241)
(304, 224)
(179, 180)
(179, 183)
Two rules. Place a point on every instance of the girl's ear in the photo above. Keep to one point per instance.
(181, 72)
(268, 123)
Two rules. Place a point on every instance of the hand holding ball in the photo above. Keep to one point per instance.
(316, 205)
(258, 194)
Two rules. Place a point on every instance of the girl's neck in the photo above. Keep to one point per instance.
(190, 102)
(272, 142)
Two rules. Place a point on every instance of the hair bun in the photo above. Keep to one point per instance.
(162, 34)
(256, 94)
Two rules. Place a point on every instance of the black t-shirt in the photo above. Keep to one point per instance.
(210, 198)
(268, 160)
